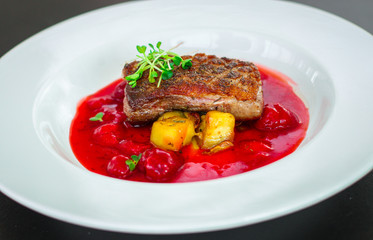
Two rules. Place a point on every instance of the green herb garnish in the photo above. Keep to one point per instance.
(131, 163)
(98, 117)
(159, 62)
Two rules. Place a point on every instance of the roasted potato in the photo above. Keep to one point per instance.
(215, 128)
(172, 133)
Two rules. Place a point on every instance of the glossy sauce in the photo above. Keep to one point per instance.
(256, 143)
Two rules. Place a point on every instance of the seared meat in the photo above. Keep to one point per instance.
(212, 83)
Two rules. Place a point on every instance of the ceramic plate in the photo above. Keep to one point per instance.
(329, 59)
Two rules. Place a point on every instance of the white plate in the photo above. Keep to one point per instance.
(43, 78)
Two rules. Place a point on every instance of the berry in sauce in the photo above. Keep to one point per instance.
(118, 168)
(160, 165)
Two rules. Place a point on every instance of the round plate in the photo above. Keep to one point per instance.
(329, 59)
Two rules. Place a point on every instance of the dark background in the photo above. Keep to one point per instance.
(347, 215)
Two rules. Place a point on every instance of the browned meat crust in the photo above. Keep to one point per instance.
(212, 83)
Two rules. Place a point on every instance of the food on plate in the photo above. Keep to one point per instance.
(211, 83)
(187, 118)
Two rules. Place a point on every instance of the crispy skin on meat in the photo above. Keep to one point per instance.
(212, 83)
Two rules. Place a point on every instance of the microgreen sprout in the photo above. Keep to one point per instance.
(98, 117)
(160, 64)
(131, 163)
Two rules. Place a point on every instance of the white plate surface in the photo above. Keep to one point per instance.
(44, 77)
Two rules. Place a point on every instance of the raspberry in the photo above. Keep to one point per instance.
(234, 168)
(130, 147)
(106, 135)
(111, 114)
(118, 92)
(160, 165)
(99, 102)
(277, 118)
(118, 168)
(198, 172)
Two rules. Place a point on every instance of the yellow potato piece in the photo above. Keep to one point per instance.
(216, 128)
(172, 133)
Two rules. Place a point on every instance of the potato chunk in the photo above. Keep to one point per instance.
(216, 127)
(172, 133)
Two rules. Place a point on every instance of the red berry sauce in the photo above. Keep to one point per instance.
(105, 146)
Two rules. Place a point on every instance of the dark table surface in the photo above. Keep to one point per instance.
(347, 215)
